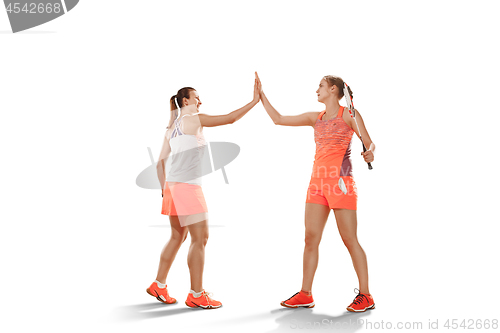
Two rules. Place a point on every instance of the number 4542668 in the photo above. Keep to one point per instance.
(34, 8)
(472, 324)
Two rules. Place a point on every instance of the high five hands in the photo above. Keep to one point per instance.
(258, 83)
(257, 89)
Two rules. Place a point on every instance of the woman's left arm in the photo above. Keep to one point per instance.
(212, 121)
(162, 160)
(368, 155)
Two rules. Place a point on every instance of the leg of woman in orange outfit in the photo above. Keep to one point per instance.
(315, 220)
(347, 225)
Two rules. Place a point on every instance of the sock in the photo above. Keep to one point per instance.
(195, 294)
(307, 293)
(161, 285)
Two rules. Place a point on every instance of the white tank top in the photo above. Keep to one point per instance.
(187, 156)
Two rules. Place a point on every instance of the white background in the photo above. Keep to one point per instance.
(83, 96)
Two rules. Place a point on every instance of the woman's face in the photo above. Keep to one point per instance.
(324, 91)
(194, 99)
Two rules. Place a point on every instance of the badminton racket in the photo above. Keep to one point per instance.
(352, 112)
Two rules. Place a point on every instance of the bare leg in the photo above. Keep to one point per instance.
(177, 237)
(315, 221)
(347, 225)
(196, 256)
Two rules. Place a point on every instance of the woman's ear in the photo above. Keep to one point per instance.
(337, 91)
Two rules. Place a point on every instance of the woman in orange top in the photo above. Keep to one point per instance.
(331, 187)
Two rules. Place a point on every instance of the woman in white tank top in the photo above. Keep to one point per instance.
(183, 198)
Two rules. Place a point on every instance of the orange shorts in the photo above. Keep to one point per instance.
(333, 192)
(183, 199)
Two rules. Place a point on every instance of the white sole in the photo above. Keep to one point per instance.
(367, 308)
(203, 307)
(310, 305)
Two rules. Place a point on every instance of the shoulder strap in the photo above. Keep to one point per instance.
(321, 114)
(182, 116)
(177, 123)
(341, 112)
(174, 132)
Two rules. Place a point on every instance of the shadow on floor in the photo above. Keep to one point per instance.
(148, 311)
(288, 320)
(293, 320)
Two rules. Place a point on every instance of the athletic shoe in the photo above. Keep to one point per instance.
(361, 303)
(204, 301)
(300, 299)
(161, 294)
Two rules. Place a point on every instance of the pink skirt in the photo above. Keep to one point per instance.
(183, 199)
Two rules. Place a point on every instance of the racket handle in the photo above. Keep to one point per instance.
(369, 164)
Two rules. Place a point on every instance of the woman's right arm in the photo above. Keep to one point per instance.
(304, 119)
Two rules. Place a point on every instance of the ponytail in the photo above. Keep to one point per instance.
(176, 102)
(173, 105)
(174, 111)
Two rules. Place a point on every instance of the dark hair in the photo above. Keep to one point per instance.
(337, 81)
(174, 109)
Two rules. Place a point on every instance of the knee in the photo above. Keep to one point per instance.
(178, 238)
(200, 241)
(312, 241)
(350, 242)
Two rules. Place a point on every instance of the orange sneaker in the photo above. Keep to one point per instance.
(160, 294)
(361, 303)
(300, 299)
(204, 301)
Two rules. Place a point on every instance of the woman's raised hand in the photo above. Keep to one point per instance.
(257, 89)
(260, 83)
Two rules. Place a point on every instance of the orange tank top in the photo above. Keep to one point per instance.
(333, 147)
